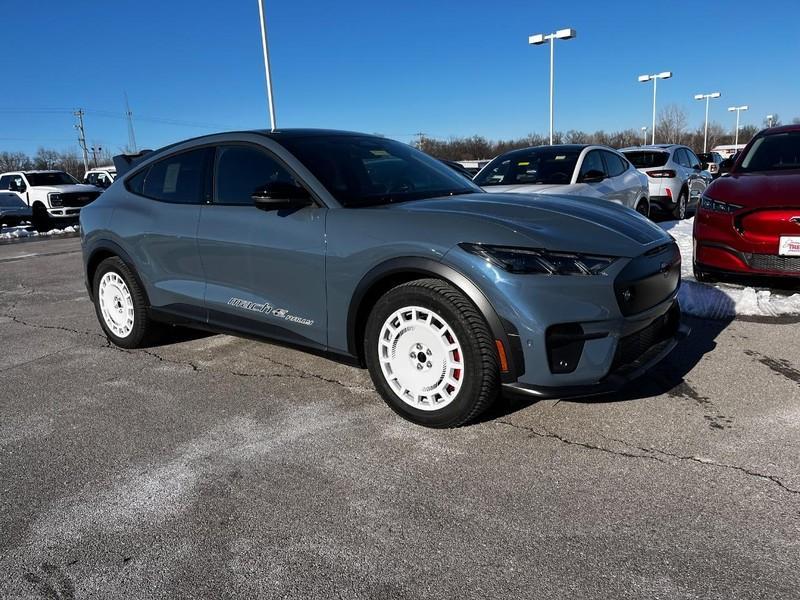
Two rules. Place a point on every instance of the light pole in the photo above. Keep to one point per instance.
(706, 97)
(655, 77)
(644, 136)
(770, 119)
(267, 70)
(738, 109)
(540, 38)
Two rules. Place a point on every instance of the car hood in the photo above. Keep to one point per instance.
(67, 188)
(756, 190)
(555, 222)
(542, 188)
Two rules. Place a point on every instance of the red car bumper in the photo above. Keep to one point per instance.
(747, 242)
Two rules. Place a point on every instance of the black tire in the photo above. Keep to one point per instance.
(679, 212)
(10, 222)
(643, 208)
(481, 375)
(144, 331)
(41, 218)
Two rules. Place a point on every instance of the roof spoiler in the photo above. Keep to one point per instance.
(125, 162)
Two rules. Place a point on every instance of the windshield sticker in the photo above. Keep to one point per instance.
(379, 153)
(171, 178)
(523, 164)
(268, 309)
(561, 157)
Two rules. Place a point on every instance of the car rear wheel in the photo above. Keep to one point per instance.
(679, 212)
(643, 208)
(121, 306)
(431, 355)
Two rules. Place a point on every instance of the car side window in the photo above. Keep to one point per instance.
(240, 171)
(592, 166)
(615, 166)
(4, 181)
(180, 178)
(17, 184)
(681, 158)
(693, 160)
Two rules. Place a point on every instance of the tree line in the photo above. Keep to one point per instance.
(671, 127)
(47, 158)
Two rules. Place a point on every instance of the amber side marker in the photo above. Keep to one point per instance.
(501, 351)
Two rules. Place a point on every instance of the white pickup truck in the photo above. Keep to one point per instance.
(50, 194)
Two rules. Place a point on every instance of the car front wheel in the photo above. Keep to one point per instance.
(431, 355)
(679, 212)
(121, 305)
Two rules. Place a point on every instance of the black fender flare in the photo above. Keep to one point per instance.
(108, 246)
(501, 329)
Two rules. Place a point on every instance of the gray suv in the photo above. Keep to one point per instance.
(371, 252)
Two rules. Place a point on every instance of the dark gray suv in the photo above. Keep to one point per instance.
(368, 251)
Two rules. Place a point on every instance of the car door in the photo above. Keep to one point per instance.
(157, 222)
(17, 185)
(701, 177)
(592, 177)
(265, 269)
(626, 184)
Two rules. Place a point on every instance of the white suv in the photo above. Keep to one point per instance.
(102, 177)
(50, 194)
(675, 174)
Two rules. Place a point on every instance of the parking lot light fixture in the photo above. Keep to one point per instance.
(770, 119)
(706, 97)
(738, 110)
(644, 136)
(655, 77)
(267, 70)
(539, 39)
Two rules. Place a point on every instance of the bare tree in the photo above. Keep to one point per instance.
(672, 122)
(14, 161)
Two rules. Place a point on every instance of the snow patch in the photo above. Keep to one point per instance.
(723, 300)
(25, 231)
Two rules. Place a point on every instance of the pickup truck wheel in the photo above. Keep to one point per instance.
(121, 306)
(41, 218)
(431, 355)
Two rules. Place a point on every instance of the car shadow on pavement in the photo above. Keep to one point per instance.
(661, 379)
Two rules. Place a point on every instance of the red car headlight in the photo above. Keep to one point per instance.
(711, 205)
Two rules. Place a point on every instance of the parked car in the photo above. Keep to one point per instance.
(101, 177)
(727, 164)
(49, 194)
(13, 211)
(458, 168)
(573, 169)
(711, 162)
(675, 175)
(369, 251)
(749, 222)
(728, 150)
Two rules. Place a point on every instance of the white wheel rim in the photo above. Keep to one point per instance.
(421, 358)
(116, 304)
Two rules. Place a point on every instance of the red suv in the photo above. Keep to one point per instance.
(748, 222)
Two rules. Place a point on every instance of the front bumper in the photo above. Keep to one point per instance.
(64, 212)
(617, 379)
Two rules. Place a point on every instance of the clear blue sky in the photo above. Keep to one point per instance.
(438, 66)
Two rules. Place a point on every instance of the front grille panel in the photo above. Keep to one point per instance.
(648, 279)
(773, 262)
(633, 346)
(77, 199)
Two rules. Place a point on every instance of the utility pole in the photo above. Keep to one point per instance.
(131, 133)
(82, 138)
(95, 151)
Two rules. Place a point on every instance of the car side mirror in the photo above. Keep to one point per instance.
(13, 187)
(280, 195)
(593, 176)
(697, 168)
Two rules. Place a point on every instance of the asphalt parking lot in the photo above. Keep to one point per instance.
(212, 466)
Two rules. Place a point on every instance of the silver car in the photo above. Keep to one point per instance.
(570, 169)
(675, 174)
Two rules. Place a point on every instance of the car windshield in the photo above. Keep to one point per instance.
(645, 159)
(363, 171)
(54, 178)
(707, 157)
(530, 167)
(773, 152)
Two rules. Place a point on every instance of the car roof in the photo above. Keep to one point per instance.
(782, 129)
(651, 147)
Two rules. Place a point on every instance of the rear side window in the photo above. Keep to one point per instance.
(180, 178)
(645, 159)
(592, 165)
(615, 165)
(242, 170)
(682, 158)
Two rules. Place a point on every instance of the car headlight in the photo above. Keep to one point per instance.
(711, 205)
(55, 199)
(541, 262)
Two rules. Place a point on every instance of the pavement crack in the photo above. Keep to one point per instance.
(25, 323)
(655, 454)
(38, 358)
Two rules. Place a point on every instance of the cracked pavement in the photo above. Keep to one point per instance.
(213, 466)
